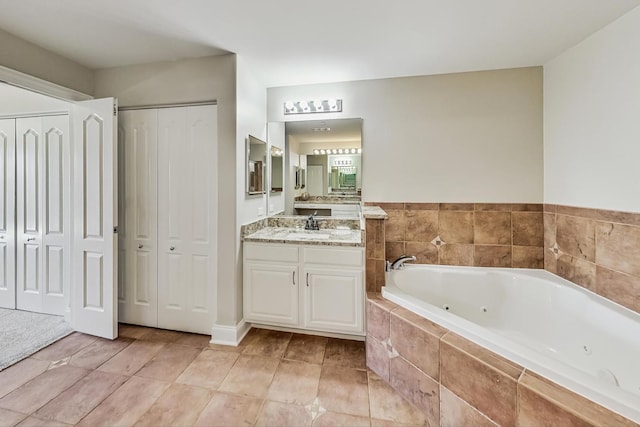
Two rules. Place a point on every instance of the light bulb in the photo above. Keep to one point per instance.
(323, 152)
(359, 150)
(318, 104)
(288, 106)
(304, 105)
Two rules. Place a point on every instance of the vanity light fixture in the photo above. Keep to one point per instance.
(347, 151)
(313, 106)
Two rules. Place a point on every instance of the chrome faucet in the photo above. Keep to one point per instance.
(399, 263)
(312, 222)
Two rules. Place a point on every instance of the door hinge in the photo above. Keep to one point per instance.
(115, 110)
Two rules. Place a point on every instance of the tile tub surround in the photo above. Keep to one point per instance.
(467, 234)
(456, 382)
(597, 249)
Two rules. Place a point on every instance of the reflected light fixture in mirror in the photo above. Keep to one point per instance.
(321, 151)
(313, 106)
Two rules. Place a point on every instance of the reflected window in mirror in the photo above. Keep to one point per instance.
(256, 165)
(277, 170)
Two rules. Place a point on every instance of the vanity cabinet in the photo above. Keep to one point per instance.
(317, 288)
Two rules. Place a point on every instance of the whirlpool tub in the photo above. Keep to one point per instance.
(536, 319)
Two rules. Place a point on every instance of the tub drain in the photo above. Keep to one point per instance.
(446, 307)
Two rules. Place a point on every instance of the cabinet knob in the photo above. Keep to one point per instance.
(171, 248)
(140, 246)
(307, 279)
(294, 278)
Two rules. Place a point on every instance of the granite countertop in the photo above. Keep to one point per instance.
(329, 200)
(323, 237)
(374, 212)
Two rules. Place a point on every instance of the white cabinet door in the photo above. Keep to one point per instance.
(138, 265)
(187, 218)
(7, 214)
(42, 208)
(95, 204)
(271, 293)
(333, 299)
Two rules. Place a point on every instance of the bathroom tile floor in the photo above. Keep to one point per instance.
(154, 377)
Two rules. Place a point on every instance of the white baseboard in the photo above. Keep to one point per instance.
(229, 335)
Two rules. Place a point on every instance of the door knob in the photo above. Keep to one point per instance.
(30, 239)
(171, 248)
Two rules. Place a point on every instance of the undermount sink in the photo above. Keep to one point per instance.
(308, 235)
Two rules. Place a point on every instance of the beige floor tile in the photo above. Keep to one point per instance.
(268, 343)
(229, 410)
(169, 362)
(10, 418)
(40, 390)
(20, 373)
(180, 405)
(161, 335)
(132, 331)
(295, 382)
(345, 354)
(73, 404)
(283, 415)
(387, 404)
(344, 390)
(64, 347)
(37, 422)
(127, 404)
(330, 419)
(194, 340)
(98, 352)
(208, 369)
(131, 359)
(250, 376)
(306, 348)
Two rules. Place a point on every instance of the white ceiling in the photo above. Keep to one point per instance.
(298, 42)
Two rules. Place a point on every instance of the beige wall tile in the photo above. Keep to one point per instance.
(421, 225)
(377, 320)
(456, 254)
(417, 340)
(492, 256)
(527, 228)
(542, 402)
(576, 237)
(492, 207)
(492, 228)
(618, 287)
(486, 381)
(425, 252)
(394, 226)
(375, 238)
(394, 250)
(526, 207)
(456, 226)
(578, 271)
(417, 387)
(527, 257)
(455, 412)
(457, 206)
(618, 247)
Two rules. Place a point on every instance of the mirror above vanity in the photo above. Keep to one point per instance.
(277, 170)
(256, 165)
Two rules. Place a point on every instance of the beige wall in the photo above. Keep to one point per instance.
(467, 137)
(28, 58)
(592, 125)
(188, 81)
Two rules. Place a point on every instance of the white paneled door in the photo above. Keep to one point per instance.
(7, 213)
(42, 214)
(138, 234)
(187, 217)
(94, 265)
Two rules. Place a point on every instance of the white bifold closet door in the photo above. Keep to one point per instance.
(138, 244)
(170, 211)
(42, 214)
(7, 213)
